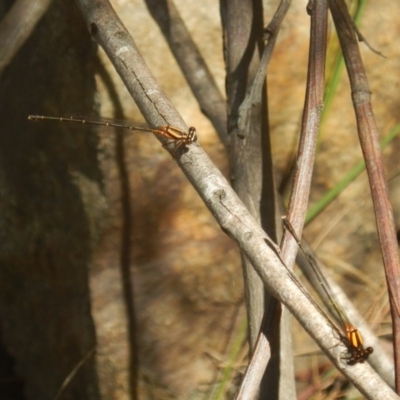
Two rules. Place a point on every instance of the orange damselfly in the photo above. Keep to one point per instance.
(352, 339)
(177, 137)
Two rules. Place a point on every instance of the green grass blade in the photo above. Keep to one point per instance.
(333, 193)
(337, 68)
(233, 355)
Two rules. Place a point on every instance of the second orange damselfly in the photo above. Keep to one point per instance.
(352, 339)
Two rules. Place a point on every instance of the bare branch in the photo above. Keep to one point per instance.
(242, 29)
(268, 334)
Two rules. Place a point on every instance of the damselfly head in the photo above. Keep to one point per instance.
(357, 356)
(192, 134)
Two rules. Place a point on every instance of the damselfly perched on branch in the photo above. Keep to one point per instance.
(177, 137)
(352, 339)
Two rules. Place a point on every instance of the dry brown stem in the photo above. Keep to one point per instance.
(369, 140)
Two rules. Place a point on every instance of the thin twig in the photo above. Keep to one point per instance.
(311, 117)
(361, 38)
(369, 140)
(300, 191)
(17, 26)
(73, 373)
(221, 200)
